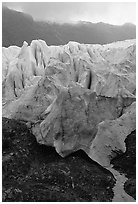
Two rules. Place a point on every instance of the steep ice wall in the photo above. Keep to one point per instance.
(74, 96)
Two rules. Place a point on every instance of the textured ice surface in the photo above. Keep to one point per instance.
(76, 96)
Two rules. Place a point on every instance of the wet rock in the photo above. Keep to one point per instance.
(130, 186)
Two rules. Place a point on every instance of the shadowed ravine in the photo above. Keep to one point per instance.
(119, 193)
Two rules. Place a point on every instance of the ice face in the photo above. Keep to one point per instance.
(76, 96)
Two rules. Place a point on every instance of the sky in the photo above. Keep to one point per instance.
(116, 13)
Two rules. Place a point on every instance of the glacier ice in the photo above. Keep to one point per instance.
(74, 96)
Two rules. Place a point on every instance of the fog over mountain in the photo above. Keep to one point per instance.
(18, 27)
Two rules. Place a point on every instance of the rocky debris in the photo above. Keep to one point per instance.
(36, 173)
(74, 96)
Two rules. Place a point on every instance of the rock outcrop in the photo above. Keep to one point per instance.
(74, 96)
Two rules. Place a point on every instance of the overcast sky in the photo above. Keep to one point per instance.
(114, 13)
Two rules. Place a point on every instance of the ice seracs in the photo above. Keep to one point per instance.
(74, 96)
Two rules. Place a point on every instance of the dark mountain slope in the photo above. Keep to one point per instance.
(17, 27)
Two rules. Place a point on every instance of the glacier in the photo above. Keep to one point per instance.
(74, 96)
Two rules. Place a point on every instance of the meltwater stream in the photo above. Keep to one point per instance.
(119, 193)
